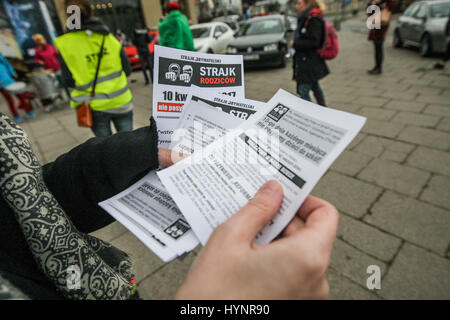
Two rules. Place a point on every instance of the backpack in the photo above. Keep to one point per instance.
(330, 47)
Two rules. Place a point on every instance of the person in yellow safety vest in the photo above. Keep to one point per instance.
(79, 50)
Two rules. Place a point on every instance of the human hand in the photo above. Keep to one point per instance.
(168, 157)
(293, 266)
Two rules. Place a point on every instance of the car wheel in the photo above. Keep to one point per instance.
(209, 51)
(398, 42)
(425, 46)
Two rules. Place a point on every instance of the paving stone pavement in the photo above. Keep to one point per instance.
(391, 186)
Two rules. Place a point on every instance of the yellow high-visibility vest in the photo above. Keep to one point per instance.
(80, 51)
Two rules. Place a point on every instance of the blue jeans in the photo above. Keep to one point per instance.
(101, 122)
(304, 88)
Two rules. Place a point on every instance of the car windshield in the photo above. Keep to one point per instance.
(265, 26)
(440, 10)
(201, 32)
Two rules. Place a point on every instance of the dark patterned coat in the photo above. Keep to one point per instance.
(308, 65)
(78, 180)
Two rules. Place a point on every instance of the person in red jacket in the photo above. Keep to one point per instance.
(46, 55)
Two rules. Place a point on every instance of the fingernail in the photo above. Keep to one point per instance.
(271, 187)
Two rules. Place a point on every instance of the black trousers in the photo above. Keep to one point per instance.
(378, 53)
(146, 63)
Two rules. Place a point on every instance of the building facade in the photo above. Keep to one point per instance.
(21, 19)
(123, 14)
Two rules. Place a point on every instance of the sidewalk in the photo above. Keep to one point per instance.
(391, 186)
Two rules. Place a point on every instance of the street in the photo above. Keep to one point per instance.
(391, 186)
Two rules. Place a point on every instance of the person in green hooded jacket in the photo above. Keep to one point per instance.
(174, 31)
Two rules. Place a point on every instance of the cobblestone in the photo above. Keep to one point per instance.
(394, 176)
(412, 220)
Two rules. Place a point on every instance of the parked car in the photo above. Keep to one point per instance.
(212, 37)
(132, 51)
(232, 21)
(423, 25)
(263, 41)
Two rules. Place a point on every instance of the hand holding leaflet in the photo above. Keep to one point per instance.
(291, 141)
(242, 270)
(146, 208)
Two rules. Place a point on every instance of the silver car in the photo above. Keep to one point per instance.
(423, 25)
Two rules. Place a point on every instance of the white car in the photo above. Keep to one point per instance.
(212, 37)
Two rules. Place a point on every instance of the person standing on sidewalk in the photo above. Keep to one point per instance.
(309, 66)
(379, 35)
(141, 41)
(80, 51)
(441, 65)
(9, 86)
(174, 31)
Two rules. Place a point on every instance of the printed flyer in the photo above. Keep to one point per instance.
(292, 141)
(177, 70)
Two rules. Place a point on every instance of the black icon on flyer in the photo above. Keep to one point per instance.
(278, 112)
(177, 229)
(174, 73)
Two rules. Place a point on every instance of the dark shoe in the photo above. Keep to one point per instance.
(374, 71)
(439, 66)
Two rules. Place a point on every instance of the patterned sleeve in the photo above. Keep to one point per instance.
(79, 266)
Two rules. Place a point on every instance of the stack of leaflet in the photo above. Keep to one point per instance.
(146, 208)
(235, 146)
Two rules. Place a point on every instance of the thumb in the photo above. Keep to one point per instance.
(248, 221)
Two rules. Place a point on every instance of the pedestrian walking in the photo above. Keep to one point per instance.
(47, 56)
(141, 41)
(309, 66)
(378, 34)
(441, 65)
(9, 86)
(86, 66)
(174, 31)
